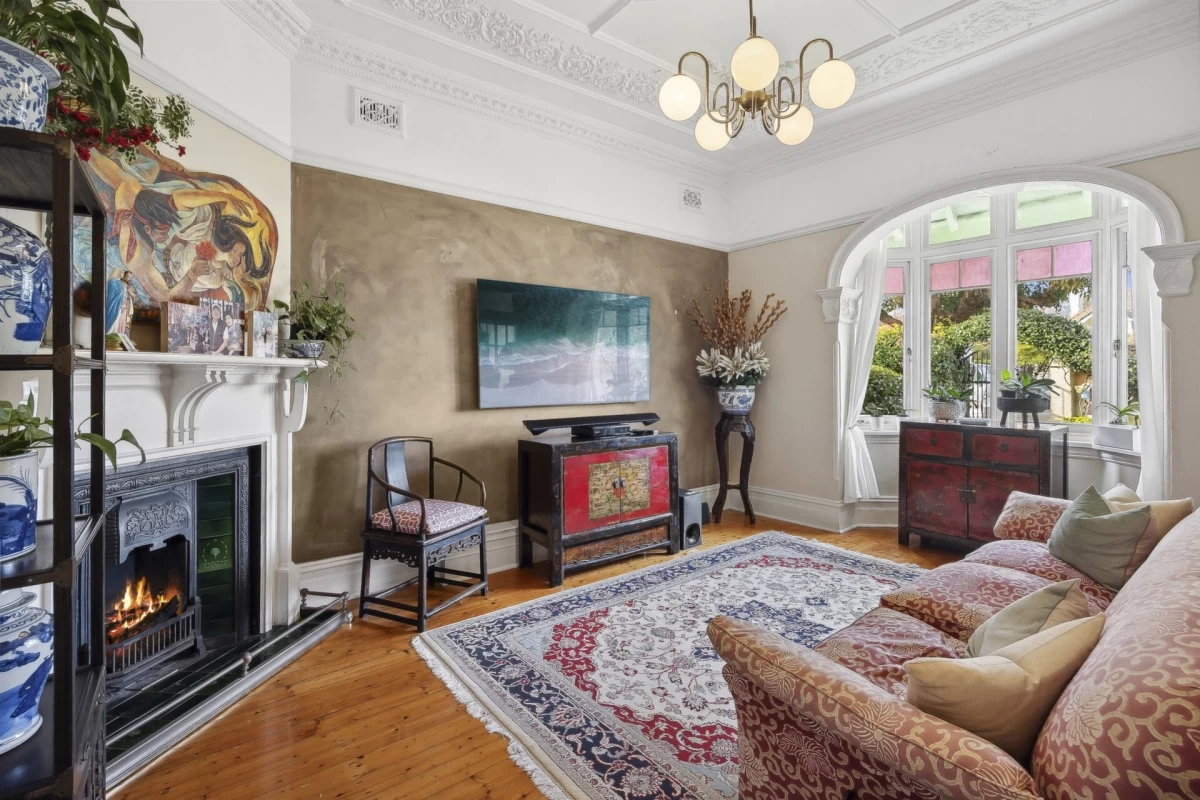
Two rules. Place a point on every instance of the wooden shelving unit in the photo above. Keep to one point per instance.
(65, 758)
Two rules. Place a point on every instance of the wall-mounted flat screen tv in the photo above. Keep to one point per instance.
(550, 346)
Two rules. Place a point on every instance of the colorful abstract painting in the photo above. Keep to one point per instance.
(550, 346)
(184, 235)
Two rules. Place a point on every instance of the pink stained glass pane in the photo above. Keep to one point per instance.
(893, 280)
(1033, 264)
(1072, 259)
(943, 276)
(977, 271)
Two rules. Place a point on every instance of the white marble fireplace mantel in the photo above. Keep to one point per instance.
(178, 404)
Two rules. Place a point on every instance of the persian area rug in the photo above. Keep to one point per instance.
(612, 690)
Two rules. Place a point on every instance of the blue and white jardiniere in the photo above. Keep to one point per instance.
(26, 657)
(25, 83)
(18, 505)
(735, 399)
(24, 289)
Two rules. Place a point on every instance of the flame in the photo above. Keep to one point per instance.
(138, 603)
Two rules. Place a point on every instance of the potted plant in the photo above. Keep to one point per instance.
(736, 361)
(22, 434)
(1123, 431)
(319, 324)
(1024, 393)
(947, 403)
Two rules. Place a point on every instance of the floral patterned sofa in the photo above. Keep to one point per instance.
(832, 722)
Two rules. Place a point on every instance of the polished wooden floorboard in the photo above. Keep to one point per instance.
(360, 716)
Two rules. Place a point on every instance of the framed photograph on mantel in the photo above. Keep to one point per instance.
(184, 328)
(225, 321)
(263, 334)
(553, 346)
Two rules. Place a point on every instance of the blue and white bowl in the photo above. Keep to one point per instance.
(26, 658)
(18, 505)
(736, 399)
(24, 289)
(25, 83)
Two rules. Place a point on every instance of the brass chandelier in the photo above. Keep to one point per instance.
(755, 69)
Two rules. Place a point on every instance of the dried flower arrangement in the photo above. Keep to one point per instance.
(736, 357)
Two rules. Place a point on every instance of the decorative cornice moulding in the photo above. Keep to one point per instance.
(840, 304)
(1174, 267)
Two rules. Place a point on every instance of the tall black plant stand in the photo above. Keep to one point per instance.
(65, 758)
(734, 423)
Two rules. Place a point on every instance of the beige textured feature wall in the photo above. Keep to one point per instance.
(409, 260)
(796, 444)
(1178, 176)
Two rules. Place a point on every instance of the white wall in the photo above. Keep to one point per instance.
(1147, 102)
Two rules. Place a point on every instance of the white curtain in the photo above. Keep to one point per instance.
(1148, 331)
(859, 473)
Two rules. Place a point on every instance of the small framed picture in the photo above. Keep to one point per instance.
(224, 326)
(263, 334)
(184, 328)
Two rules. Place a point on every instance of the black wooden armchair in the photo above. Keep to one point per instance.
(418, 530)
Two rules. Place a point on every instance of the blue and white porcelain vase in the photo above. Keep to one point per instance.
(735, 399)
(25, 83)
(24, 290)
(18, 505)
(26, 657)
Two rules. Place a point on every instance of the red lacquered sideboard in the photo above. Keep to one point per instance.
(955, 479)
(591, 501)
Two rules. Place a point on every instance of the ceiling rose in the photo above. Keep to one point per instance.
(755, 68)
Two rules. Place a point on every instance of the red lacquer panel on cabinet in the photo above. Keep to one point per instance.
(646, 487)
(1006, 449)
(591, 497)
(934, 502)
(924, 442)
(992, 488)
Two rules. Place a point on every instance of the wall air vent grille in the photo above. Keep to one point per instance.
(691, 198)
(375, 111)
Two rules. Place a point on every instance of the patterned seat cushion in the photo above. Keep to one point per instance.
(957, 598)
(440, 516)
(878, 645)
(1034, 558)
(1029, 517)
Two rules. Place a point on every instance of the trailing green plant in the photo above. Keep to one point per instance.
(22, 431)
(1124, 415)
(1026, 384)
(946, 394)
(94, 106)
(322, 317)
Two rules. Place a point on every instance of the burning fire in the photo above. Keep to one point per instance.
(137, 604)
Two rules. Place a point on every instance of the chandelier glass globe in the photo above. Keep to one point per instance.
(796, 128)
(710, 134)
(755, 63)
(679, 97)
(831, 84)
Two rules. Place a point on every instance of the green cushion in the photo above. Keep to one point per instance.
(1106, 546)
(1049, 606)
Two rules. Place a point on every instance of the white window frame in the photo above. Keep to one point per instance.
(924, 222)
(1108, 368)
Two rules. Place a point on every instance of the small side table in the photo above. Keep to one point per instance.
(734, 423)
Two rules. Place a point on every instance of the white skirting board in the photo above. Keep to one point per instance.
(815, 512)
(344, 573)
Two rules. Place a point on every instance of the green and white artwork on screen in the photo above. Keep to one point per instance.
(183, 235)
(552, 346)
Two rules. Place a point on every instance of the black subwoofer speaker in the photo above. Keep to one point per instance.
(690, 513)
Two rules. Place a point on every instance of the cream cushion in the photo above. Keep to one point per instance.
(1122, 494)
(1165, 513)
(1005, 697)
(1047, 607)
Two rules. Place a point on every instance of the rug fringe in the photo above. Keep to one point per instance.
(516, 751)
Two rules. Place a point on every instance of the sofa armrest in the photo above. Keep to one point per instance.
(1031, 517)
(844, 730)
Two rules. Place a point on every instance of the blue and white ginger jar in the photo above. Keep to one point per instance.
(24, 289)
(736, 399)
(26, 657)
(25, 83)
(18, 505)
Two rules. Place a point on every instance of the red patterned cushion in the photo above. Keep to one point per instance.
(1029, 516)
(877, 645)
(1034, 558)
(957, 598)
(440, 516)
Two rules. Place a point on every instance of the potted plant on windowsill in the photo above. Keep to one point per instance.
(1024, 394)
(735, 362)
(318, 324)
(22, 434)
(947, 403)
(1123, 432)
